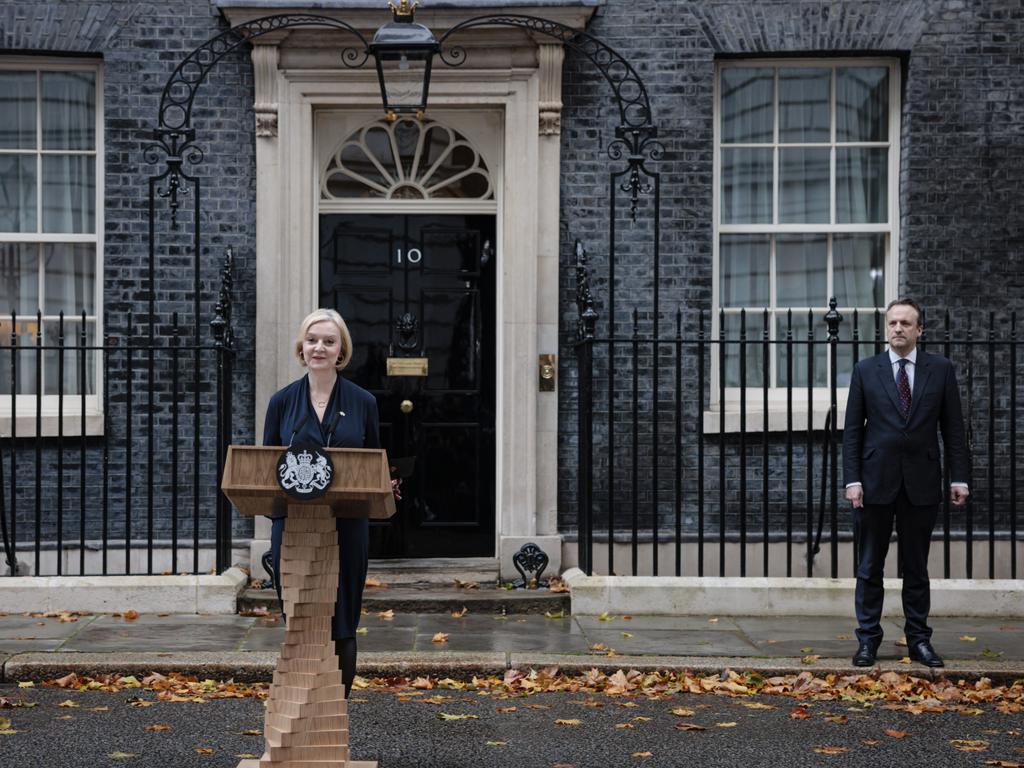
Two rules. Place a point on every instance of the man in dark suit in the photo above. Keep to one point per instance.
(898, 401)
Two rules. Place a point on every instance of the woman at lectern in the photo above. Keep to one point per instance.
(322, 408)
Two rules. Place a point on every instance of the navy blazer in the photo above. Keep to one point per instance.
(351, 419)
(883, 451)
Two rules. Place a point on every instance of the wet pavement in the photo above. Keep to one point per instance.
(420, 639)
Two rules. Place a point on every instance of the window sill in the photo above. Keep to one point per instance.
(778, 418)
(50, 423)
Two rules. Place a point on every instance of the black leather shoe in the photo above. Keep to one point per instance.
(865, 655)
(924, 653)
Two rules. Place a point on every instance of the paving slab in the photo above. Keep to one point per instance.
(505, 642)
(526, 624)
(703, 623)
(152, 632)
(32, 633)
(673, 642)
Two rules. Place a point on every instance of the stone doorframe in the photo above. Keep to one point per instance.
(507, 69)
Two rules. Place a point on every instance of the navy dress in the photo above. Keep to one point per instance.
(352, 411)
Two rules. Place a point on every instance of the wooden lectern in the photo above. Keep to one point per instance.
(306, 722)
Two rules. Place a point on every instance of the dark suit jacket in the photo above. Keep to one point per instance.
(882, 450)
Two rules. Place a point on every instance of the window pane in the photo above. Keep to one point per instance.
(25, 353)
(799, 348)
(19, 279)
(747, 105)
(69, 110)
(69, 278)
(862, 185)
(753, 376)
(803, 186)
(858, 270)
(744, 275)
(746, 186)
(71, 359)
(801, 270)
(803, 104)
(69, 193)
(862, 104)
(17, 110)
(17, 193)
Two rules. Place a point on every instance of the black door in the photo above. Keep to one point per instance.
(415, 290)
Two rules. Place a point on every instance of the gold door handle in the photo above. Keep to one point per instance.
(406, 406)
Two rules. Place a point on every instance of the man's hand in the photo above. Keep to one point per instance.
(958, 495)
(855, 494)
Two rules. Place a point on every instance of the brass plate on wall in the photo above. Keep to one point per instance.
(407, 366)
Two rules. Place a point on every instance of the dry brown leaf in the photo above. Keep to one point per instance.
(870, 742)
(896, 734)
(682, 712)
(799, 713)
(831, 750)
(624, 725)
(690, 727)
(204, 750)
(569, 721)
(440, 637)
(643, 754)
(460, 614)
(158, 727)
(374, 582)
(726, 725)
(387, 615)
(970, 745)
(131, 615)
(1004, 763)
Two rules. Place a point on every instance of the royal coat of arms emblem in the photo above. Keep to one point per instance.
(304, 472)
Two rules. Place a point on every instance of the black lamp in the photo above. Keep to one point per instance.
(404, 51)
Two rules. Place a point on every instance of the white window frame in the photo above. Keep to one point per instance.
(777, 404)
(27, 406)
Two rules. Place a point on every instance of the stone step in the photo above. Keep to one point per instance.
(426, 597)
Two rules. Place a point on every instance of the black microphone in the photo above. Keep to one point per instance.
(299, 426)
(332, 426)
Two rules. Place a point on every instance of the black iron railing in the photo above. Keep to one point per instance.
(134, 487)
(718, 443)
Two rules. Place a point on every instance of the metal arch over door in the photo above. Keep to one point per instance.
(418, 293)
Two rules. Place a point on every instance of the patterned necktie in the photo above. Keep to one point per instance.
(903, 387)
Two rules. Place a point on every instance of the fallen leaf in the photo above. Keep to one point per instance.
(466, 584)
(626, 634)
(158, 727)
(972, 711)
(643, 754)
(690, 727)
(905, 660)
(799, 713)
(682, 712)
(726, 725)
(448, 716)
(605, 617)
(870, 742)
(440, 637)
(507, 709)
(131, 615)
(838, 719)
(756, 705)
(810, 659)
(135, 701)
(713, 621)
(495, 743)
(970, 745)
(1004, 763)
(68, 704)
(831, 750)
(121, 755)
(968, 638)
(460, 614)
(896, 734)
(807, 650)
(27, 684)
(362, 630)
(990, 654)
(387, 615)
(374, 582)
(624, 725)
(559, 614)
(247, 756)
(570, 721)
(65, 717)
(252, 732)
(204, 750)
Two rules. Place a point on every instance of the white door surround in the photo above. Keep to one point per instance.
(515, 79)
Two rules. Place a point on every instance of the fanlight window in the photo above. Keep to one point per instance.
(406, 160)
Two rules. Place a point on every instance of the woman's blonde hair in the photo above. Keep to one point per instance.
(319, 315)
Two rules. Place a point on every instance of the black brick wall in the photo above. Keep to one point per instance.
(962, 220)
(139, 45)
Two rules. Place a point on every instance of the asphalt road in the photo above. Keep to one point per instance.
(411, 733)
